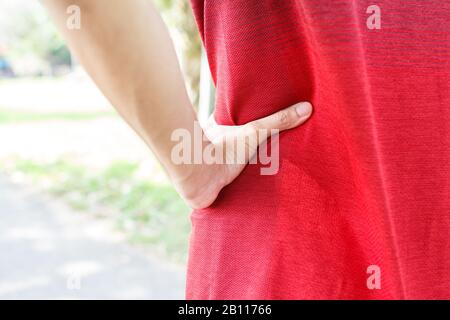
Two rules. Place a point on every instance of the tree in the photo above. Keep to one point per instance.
(27, 31)
(178, 16)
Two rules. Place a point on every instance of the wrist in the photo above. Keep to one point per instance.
(202, 185)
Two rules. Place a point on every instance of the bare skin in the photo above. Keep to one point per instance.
(126, 49)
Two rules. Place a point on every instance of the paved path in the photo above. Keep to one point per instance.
(48, 252)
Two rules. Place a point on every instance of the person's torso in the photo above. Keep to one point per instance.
(366, 181)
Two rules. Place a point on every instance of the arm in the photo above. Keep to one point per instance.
(126, 49)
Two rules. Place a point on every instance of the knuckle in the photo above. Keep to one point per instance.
(283, 118)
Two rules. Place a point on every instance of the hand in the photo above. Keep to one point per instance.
(153, 100)
(205, 181)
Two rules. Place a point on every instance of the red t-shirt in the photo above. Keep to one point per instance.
(364, 185)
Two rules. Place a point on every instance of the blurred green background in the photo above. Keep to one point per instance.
(59, 135)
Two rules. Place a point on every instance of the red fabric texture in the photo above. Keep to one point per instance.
(366, 181)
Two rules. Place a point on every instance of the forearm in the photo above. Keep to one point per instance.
(125, 47)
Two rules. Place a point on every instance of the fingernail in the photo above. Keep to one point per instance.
(303, 109)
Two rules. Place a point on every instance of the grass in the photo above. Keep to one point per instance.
(8, 116)
(148, 213)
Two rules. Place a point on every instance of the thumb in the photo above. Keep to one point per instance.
(285, 119)
(257, 131)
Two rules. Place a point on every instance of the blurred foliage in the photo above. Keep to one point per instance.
(147, 212)
(28, 30)
(32, 42)
(39, 36)
(12, 116)
(178, 15)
